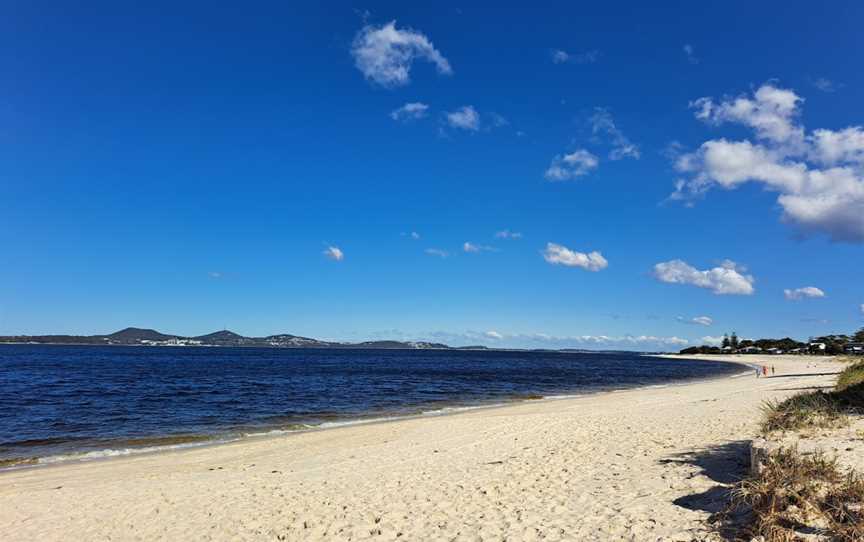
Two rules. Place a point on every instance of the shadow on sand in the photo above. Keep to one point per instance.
(725, 464)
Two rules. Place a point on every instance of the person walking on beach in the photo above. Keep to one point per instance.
(764, 370)
(772, 370)
(757, 371)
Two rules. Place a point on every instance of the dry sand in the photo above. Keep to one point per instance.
(635, 465)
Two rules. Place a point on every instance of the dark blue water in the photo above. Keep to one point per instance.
(60, 400)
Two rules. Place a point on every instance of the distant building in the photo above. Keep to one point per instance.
(856, 349)
(817, 348)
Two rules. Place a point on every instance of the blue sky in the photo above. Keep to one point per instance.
(664, 174)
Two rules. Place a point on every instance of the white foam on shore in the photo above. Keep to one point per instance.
(120, 452)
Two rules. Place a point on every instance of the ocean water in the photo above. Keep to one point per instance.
(81, 402)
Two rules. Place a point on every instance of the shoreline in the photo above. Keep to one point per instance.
(637, 464)
(203, 441)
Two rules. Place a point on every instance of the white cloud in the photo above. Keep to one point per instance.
(410, 111)
(586, 57)
(545, 340)
(497, 121)
(471, 247)
(771, 112)
(726, 279)
(464, 118)
(507, 234)
(691, 54)
(826, 85)
(559, 56)
(414, 235)
(862, 308)
(699, 320)
(713, 341)
(570, 166)
(561, 255)
(801, 293)
(334, 253)
(214, 274)
(819, 176)
(602, 123)
(437, 252)
(385, 54)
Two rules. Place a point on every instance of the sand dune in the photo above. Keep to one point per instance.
(636, 465)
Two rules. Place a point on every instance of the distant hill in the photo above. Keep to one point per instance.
(224, 337)
(135, 334)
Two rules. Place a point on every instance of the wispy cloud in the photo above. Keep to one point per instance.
(571, 166)
(410, 111)
(507, 234)
(561, 255)
(826, 85)
(698, 320)
(560, 56)
(801, 293)
(819, 175)
(437, 252)
(548, 340)
(385, 54)
(464, 118)
(602, 124)
(725, 279)
(215, 274)
(334, 253)
(473, 248)
(690, 53)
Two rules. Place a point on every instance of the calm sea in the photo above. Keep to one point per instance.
(80, 402)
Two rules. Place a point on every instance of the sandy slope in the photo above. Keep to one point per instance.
(617, 466)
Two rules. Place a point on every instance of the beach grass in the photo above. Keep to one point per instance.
(819, 409)
(793, 495)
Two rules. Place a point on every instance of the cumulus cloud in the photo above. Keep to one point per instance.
(801, 293)
(570, 166)
(410, 111)
(464, 118)
(507, 234)
(698, 320)
(819, 176)
(494, 335)
(690, 53)
(862, 308)
(437, 252)
(385, 54)
(726, 279)
(334, 253)
(561, 255)
(602, 124)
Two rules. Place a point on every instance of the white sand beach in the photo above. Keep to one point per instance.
(638, 465)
